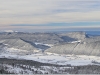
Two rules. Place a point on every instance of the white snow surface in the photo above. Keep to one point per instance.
(75, 41)
(50, 45)
(53, 58)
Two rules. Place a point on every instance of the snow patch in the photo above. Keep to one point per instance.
(75, 41)
(50, 45)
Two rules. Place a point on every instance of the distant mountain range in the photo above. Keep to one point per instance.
(49, 53)
(78, 43)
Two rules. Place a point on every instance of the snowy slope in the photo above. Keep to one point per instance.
(74, 60)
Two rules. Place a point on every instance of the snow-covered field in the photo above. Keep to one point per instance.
(75, 60)
(69, 60)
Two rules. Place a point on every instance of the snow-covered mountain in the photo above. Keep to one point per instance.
(70, 43)
(82, 48)
(53, 50)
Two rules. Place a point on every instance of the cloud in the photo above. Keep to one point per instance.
(48, 11)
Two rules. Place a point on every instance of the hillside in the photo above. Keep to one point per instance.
(77, 48)
(17, 46)
(49, 53)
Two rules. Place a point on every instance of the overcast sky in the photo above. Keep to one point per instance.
(49, 14)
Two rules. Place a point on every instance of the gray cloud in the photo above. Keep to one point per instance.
(48, 11)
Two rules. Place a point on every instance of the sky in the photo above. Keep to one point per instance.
(32, 15)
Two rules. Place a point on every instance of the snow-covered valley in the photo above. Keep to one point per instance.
(52, 58)
(47, 63)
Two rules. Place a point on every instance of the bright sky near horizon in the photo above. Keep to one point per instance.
(49, 14)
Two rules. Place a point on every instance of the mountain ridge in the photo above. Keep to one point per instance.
(67, 43)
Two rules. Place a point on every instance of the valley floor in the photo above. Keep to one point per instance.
(51, 58)
(48, 63)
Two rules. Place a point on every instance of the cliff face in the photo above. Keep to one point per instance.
(77, 48)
